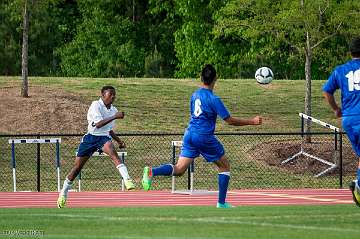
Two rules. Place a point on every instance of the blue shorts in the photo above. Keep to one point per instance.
(351, 125)
(206, 145)
(91, 143)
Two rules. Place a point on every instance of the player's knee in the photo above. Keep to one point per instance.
(178, 171)
(225, 167)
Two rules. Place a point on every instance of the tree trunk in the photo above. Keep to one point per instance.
(308, 56)
(24, 60)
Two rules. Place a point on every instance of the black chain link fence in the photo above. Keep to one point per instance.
(256, 162)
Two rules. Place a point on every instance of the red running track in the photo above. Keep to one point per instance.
(165, 198)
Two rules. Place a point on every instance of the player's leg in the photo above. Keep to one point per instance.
(223, 181)
(187, 155)
(68, 182)
(109, 149)
(86, 148)
(213, 151)
(165, 170)
(168, 169)
(355, 187)
(352, 127)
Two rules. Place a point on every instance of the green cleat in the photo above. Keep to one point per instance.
(355, 190)
(147, 178)
(224, 205)
(129, 184)
(61, 202)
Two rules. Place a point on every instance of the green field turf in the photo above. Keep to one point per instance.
(335, 221)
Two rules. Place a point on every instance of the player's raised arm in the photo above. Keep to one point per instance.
(101, 123)
(257, 120)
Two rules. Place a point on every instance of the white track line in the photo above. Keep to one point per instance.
(283, 195)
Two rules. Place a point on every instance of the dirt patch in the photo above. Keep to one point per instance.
(274, 153)
(45, 111)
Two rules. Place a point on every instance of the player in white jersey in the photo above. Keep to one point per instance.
(101, 120)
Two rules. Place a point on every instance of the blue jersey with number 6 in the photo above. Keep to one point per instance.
(346, 77)
(204, 108)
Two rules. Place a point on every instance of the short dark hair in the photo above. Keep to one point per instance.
(107, 87)
(208, 74)
(355, 47)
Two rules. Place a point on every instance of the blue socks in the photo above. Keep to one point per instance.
(358, 177)
(223, 180)
(163, 170)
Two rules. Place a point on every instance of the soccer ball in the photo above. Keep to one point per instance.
(264, 75)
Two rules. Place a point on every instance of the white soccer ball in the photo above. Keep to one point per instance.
(264, 75)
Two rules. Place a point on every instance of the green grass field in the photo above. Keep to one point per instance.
(162, 105)
(338, 221)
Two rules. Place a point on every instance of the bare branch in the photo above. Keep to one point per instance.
(327, 37)
(321, 15)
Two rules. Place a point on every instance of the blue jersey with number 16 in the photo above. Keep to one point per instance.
(347, 78)
(204, 108)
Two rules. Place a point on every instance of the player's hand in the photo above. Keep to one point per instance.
(122, 144)
(257, 120)
(119, 115)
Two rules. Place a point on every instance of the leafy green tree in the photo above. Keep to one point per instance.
(10, 44)
(313, 23)
(47, 21)
(194, 44)
(163, 21)
(291, 31)
(106, 43)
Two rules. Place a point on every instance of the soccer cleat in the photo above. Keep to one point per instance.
(129, 184)
(61, 202)
(224, 205)
(147, 178)
(355, 190)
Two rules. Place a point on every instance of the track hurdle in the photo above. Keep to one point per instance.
(57, 141)
(336, 130)
(190, 187)
(121, 154)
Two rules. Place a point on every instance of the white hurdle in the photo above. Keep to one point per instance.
(336, 130)
(190, 190)
(121, 154)
(57, 141)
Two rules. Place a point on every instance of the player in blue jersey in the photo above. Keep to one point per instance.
(346, 77)
(199, 137)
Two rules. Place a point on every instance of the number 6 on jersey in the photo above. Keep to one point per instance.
(197, 110)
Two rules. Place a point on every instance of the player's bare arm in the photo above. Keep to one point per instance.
(334, 106)
(101, 123)
(257, 120)
(117, 139)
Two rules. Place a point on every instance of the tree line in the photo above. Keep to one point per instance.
(175, 38)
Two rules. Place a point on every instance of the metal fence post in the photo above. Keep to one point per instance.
(341, 162)
(38, 165)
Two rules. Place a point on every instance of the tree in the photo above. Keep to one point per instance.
(302, 28)
(107, 43)
(311, 24)
(194, 43)
(24, 55)
(163, 21)
(10, 45)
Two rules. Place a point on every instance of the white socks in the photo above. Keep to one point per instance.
(66, 187)
(123, 171)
